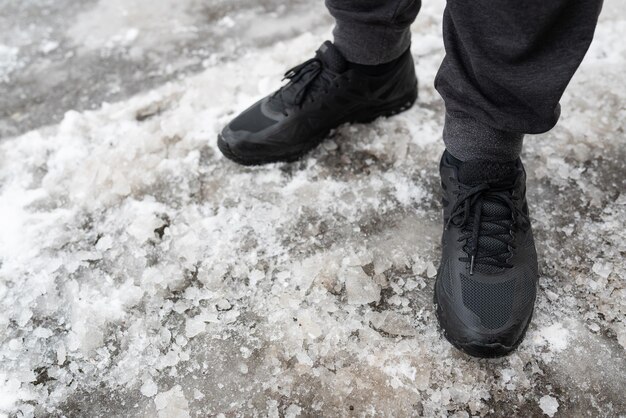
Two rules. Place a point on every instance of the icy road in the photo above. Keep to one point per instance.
(142, 274)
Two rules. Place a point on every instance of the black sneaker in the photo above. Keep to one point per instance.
(322, 93)
(487, 280)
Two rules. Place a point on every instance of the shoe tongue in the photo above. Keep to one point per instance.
(478, 171)
(331, 57)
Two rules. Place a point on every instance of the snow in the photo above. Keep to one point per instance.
(555, 335)
(140, 269)
(111, 23)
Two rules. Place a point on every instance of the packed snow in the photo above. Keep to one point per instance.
(142, 274)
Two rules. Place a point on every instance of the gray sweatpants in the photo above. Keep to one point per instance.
(506, 67)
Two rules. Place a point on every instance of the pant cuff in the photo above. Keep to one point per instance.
(368, 44)
(468, 139)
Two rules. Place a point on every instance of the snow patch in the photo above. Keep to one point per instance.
(556, 336)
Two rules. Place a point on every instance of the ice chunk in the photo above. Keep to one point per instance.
(255, 276)
(24, 317)
(194, 326)
(551, 295)
(621, 336)
(602, 269)
(104, 243)
(549, 405)
(41, 332)
(223, 305)
(360, 288)
(293, 411)
(61, 353)
(9, 389)
(197, 394)
(149, 388)
(308, 326)
(392, 323)
(48, 46)
(9, 61)
(172, 403)
(330, 145)
(431, 270)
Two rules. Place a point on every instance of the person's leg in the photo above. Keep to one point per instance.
(507, 64)
(372, 32)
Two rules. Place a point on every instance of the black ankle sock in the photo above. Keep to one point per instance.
(375, 70)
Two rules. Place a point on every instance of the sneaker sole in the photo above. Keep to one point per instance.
(386, 111)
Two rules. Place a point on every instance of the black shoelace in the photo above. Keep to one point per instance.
(301, 82)
(471, 200)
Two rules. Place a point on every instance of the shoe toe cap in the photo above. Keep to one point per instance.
(486, 343)
(253, 120)
(484, 319)
(239, 145)
(252, 136)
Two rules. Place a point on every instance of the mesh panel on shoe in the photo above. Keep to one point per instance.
(252, 120)
(492, 303)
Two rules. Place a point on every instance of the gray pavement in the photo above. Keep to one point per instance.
(65, 55)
